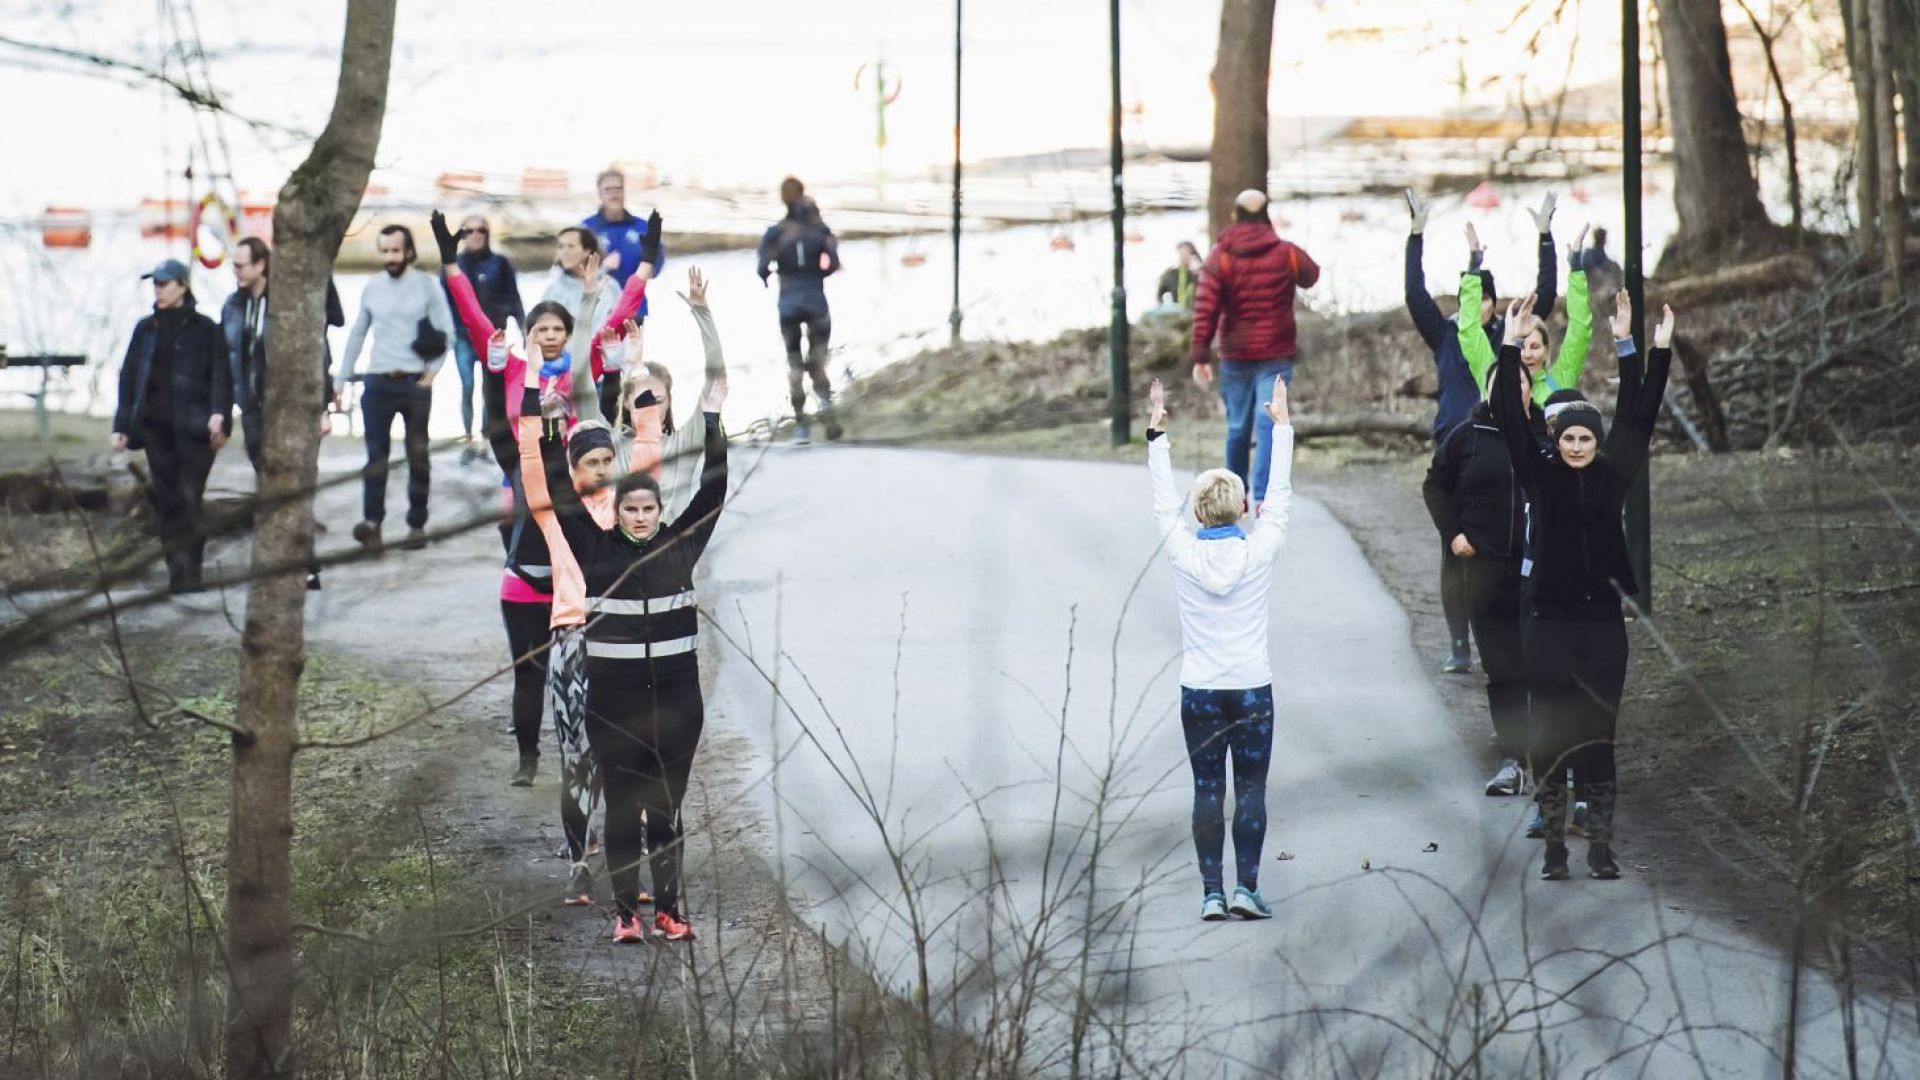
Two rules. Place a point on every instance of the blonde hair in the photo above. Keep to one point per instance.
(1219, 498)
(630, 388)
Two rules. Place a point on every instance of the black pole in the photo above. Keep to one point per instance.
(953, 317)
(1639, 509)
(1119, 405)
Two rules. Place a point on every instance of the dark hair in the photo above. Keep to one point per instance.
(257, 250)
(588, 241)
(551, 307)
(1187, 245)
(791, 189)
(406, 239)
(636, 481)
(1561, 397)
(1486, 285)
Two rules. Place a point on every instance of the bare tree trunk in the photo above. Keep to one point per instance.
(1906, 73)
(1241, 68)
(316, 206)
(1866, 157)
(1714, 191)
(1893, 211)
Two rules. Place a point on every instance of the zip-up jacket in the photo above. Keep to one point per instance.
(1459, 389)
(1246, 294)
(805, 253)
(496, 284)
(243, 322)
(1564, 372)
(1471, 488)
(189, 347)
(1579, 550)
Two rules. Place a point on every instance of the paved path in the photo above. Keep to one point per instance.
(921, 612)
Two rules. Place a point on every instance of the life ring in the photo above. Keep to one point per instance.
(213, 262)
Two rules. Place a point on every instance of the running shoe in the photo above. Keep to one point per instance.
(1600, 862)
(313, 581)
(800, 435)
(628, 929)
(1506, 781)
(523, 776)
(1460, 660)
(670, 926)
(1248, 905)
(1213, 908)
(1554, 867)
(579, 886)
(416, 539)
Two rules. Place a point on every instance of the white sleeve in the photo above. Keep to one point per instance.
(1168, 520)
(1270, 532)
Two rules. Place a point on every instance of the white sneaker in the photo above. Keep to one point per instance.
(1213, 908)
(1507, 780)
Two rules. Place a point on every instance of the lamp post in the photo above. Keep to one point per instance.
(1119, 405)
(1639, 504)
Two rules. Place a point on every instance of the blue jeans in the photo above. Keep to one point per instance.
(1246, 386)
(463, 361)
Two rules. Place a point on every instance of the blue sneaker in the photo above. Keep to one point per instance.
(1248, 905)
(1213, 908)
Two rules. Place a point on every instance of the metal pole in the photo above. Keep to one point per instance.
(953, 317)
(1119, 403)
(1639, 509)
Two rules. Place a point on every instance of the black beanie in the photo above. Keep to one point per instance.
(1573, 412)
(586, 440)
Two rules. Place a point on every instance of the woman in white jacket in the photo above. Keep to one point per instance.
(1222, 577)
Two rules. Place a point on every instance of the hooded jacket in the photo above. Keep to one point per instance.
(1246, 294)
(806, 253)
(1579, 551)
(190, 348)
(1221, 577)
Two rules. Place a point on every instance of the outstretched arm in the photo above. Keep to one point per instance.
(1511, 404)
(1168, 521)
(1633, 421)
(1564, 373)
(1426, 314)
(703, 510)
(1473, 337)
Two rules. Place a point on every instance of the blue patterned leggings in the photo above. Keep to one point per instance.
(1219, 722)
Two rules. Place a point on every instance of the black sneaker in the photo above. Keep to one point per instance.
(1600, 862)
(1554, 868)
(523, 776)
(313, 581)
(1460, 660)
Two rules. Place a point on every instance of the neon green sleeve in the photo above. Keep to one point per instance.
(1473, 338)
(1565, 372)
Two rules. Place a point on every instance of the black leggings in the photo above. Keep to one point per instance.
(819, 330)
(1453, 593)
(1576, 670)
(1492, 594)
(527, 631)
(644, 726)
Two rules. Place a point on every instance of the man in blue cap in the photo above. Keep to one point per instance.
(175, 406)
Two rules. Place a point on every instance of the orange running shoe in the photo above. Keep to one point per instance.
(628, 929)
(671, 926)
(579, 886)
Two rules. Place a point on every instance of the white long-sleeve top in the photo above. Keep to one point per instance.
(1222, 583)
(391, 309)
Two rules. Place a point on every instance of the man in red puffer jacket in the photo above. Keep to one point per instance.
(1246, 294)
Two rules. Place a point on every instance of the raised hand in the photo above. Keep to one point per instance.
(1622, 318)
(1662, 334)
(1156, 406)
(1473, 239)
(650, 243)
(590, 275)
(1543, 217)
(1417, 212)
(635, 355)
(1520, 320)
(1277, 408)
(715, 396)
(1576, 251)
(696, 294)
(443, 239)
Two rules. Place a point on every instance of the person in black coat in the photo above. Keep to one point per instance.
(175, 404)
(1575, 639)
(804, 252)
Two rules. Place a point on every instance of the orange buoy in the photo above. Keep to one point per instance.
(226, 221)
(1483, 197)
(913, 258)
(1061, 243)
(256, 219)
(66, 227)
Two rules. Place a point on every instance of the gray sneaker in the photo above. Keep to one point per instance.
(1507, 780)
(1248, 905)
(801, 437)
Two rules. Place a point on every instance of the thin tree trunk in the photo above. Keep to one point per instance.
(1241, 68)
(1787, 132)
(1893, 211)
(1866, 157)
(1715, 195)
(315, 208)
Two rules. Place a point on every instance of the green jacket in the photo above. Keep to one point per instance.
(1563, 373)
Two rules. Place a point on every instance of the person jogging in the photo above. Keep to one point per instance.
(498, 290)
(1575, 639)
(1246, 295)
(243, 322)
(175, 404)
(1460, 391)
(644, 707)
(804, 252)
(407, 313)
(1222, 577)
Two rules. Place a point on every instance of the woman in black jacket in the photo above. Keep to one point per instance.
(1575, 640)
(176, 404)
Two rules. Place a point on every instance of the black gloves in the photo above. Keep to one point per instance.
(650, 243)
(443, 239)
